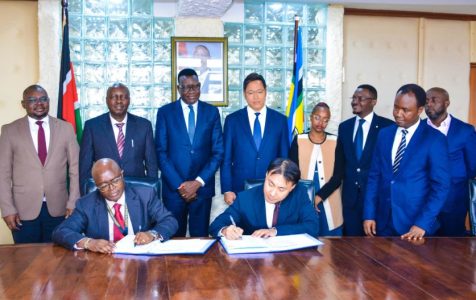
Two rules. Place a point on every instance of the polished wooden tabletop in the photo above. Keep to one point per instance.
(344, 268)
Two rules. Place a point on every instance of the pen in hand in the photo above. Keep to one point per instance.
(234, 224)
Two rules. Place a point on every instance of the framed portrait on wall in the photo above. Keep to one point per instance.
(208, 57)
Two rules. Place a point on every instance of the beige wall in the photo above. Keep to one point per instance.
(19, 61)
(388, 52)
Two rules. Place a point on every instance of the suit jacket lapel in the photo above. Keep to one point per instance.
(246, 127)
(102, 216)
(53, 138)
(133, 207)
(130, 132)
(109, 135)
(181, 126)
(349, 137)
(415, 140)
(260, 208)
(371, 138)
(25, 131)
(201, 120)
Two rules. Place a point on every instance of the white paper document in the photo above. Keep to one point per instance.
(184, 246)
(250, 244)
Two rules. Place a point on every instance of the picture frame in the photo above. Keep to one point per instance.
(208, 56)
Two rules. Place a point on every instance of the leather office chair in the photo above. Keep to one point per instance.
(90, 186)
(308, 184)
(472, 205)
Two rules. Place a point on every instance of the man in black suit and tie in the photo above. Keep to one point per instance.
(122, 136)
(353, 156)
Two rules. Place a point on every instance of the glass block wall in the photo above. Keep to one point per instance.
(120, 41)
(264, 44)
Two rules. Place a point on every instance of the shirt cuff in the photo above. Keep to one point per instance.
(199, 179)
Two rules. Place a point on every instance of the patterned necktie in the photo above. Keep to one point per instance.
(257, 131)
(191, 123)
(41, 143)
(121, 140)
(400, 151)
(276, 214)
(117, 214)
(359, 140)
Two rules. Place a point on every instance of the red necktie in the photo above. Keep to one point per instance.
(117, 214)
(276, 214)
(121, 140)
(41, 143)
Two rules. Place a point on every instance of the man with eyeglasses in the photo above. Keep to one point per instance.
(38, 170)
(189, 149)
(113, 211)
(253, 137)
(120, 135)
(356, 141)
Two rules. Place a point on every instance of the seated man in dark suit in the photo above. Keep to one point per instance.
(122, 136)
(113, 211)
(279, 207)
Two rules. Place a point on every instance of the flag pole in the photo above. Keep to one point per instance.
(296, 25)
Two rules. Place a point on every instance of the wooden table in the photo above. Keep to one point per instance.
(344, 268)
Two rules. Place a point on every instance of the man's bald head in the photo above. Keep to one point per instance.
(108, 178)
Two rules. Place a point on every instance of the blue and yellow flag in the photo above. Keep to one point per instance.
(295, 105)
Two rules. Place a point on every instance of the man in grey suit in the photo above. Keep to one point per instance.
(38, 156)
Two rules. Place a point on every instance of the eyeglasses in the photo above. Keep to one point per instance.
(33, 100)
(318, 118)
(108, 185)
(360, 99)
(190, 88)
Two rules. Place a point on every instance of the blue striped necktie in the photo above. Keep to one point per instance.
(400, 151)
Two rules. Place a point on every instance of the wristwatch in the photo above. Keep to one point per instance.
(155, 235)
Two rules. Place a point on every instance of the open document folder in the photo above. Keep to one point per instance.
(250, 244)
(185, 246)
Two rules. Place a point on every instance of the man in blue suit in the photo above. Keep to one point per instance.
(189, 148)
(122, 136)
(113, 211)
(461, 139)
(353, 155)
(409, 178)
(278, 207)
(253, 137)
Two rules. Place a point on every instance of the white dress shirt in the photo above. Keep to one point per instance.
(444, 126)
(116, 129)
(261, 118)
(122, 202)
(398, 138)
(269, 207)
(34, 131)
(365, 127)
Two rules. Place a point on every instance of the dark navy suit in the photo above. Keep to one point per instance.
(180, 160)
(416, 193)
(90, 217)
(296, 213)
(353, 172)
(138, 159)
(241, 159)
(461, 139)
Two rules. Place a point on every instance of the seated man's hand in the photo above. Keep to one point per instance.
(188, 190)
(229, 197)
(415, 233)
(96, 245)
(143, 238)
(370, 227)
(13, 221)
(68, 213)
(265, 233)
(232, 232)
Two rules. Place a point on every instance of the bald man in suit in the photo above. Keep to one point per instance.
(38, 154)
